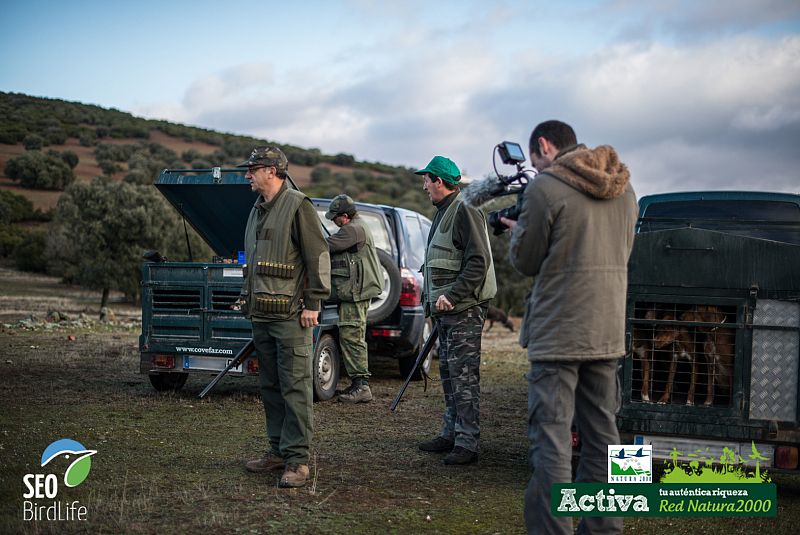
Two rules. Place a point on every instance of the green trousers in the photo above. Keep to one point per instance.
(285, 356)
(352, 330)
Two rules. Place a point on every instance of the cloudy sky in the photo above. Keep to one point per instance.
(694, 94)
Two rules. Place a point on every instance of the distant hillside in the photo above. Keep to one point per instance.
(117, 144)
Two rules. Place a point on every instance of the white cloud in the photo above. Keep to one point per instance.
(671, 109)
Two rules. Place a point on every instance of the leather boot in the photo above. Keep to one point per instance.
(295, 475)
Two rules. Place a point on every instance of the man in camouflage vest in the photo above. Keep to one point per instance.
(459, 282)
(356, 279)
(287, 278)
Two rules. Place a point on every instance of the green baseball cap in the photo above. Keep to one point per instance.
(269, 156)
(339, 205)
(442, 167)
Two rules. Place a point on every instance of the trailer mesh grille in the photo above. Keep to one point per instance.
(684, 354)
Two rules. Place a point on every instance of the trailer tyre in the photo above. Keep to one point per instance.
(168, 381)
(326, 368)
(382, 306)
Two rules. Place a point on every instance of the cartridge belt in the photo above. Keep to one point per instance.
(275, 269)
(273, 305)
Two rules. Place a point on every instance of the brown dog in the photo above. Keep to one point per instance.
(643, 350)
(677, 340)
(719, 346)
(499, 315)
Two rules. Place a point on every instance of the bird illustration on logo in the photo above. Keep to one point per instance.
(78, 470)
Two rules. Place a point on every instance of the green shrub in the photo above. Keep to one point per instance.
(70, 158)
(33, 142)
(40, 171)
(10, 237)
(30, 254)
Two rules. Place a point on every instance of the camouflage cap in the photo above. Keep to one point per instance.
(442, 167)
(269, 156)
(339, 205)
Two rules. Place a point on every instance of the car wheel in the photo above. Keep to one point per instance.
(326, 368)
(168, 381)
(382, 306)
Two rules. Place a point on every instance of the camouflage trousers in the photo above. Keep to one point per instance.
(285, 356)
(460, 370)
(352, 330)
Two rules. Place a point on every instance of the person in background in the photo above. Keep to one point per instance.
(356, 279)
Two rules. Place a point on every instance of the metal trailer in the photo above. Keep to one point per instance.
(714, 296)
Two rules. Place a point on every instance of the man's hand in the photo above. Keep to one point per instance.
(510, 223)
(309, 318)
(237, 305)
(443, 305)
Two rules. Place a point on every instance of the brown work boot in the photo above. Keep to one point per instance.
(265, 464)
(295, 475)
(359, 394)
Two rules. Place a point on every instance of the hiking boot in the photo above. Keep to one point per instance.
(461, 455)
(265, 464)
(359, 394)
(295, 475)
(436, 445)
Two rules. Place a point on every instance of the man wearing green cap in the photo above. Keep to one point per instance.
(286, 280)
(459, 282)
(356, 279)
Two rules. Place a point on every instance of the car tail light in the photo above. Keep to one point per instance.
(163, 361)
(386, 333)
(574, 439)
(786, 457)
(252, 366)
(410, 292)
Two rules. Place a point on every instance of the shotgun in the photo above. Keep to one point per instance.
(237, 360)
(423, 354)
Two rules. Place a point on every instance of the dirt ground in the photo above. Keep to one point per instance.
(169, 463)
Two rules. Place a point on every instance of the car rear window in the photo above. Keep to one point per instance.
(415, 255)
(769, 220)
(375, 222)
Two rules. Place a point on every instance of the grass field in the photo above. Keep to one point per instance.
(168, 463)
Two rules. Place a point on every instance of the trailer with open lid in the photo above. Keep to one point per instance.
(713, 326)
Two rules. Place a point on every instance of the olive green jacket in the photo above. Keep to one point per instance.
(288, 265)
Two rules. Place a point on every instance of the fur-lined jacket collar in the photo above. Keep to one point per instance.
(596, 172)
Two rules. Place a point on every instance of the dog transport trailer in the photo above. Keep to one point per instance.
(713, 327)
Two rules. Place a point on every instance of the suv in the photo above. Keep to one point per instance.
(188, 326)
(713, 326)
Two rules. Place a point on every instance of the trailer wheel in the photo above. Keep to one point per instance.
(325, 372)
(382, 306)
(168, 381)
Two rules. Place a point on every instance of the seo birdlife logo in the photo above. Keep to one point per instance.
(630, 464)
(45, 486)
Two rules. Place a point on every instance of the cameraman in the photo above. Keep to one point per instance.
(574, 235)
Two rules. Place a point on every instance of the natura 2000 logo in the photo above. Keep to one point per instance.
(45, 486)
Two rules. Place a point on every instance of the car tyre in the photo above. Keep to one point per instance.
(381, 307)
(325, 373)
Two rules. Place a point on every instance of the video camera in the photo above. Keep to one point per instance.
(511, 154)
